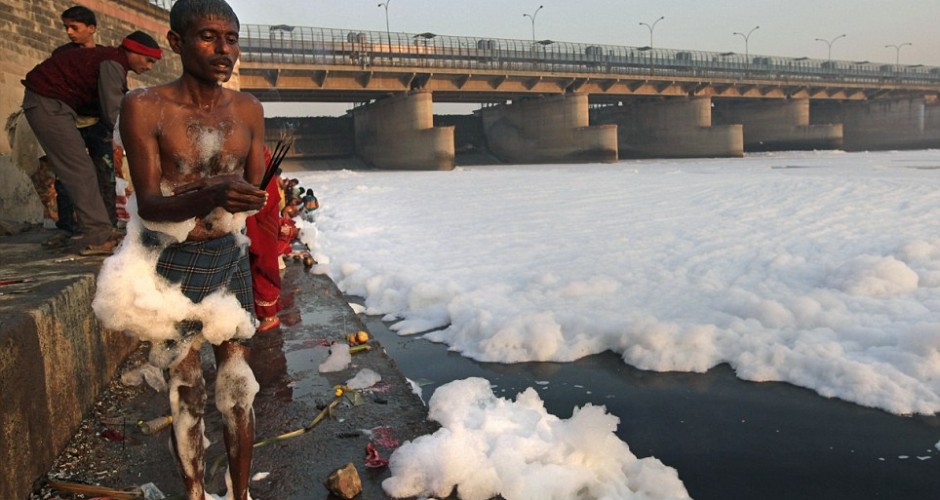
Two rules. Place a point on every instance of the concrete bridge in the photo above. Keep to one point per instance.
(546, 101)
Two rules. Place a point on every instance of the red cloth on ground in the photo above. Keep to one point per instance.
(263, 230)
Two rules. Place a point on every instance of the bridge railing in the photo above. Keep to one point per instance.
(283, 44)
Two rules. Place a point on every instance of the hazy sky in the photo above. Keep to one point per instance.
(786, 28)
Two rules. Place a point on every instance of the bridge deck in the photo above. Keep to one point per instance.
(319, 64)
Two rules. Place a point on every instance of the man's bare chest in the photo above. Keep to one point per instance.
(205, 146)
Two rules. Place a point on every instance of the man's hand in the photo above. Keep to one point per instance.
(230, 192)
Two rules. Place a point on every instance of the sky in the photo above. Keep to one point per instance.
(785, 29)
(821, 269)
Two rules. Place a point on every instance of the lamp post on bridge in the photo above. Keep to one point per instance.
(651, 27)
(897, 52)
(747, 54)
(829, 44)
(532, 17)
(388, 32)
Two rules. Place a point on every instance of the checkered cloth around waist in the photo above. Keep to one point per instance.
(202, 267)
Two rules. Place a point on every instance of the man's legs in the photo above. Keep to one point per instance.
(98, 140)
(235, 389)
(66, 209)
(187, 406)
(54, 125)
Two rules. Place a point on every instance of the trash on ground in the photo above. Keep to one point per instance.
(146, 371)
(112, 435)
(373, 460)
(151, 492)
(132, 493)
(155, 425)
(364, 379)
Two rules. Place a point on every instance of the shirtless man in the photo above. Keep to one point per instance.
(195, 150)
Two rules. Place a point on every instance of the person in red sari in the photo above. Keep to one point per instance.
(288, 231)
(263, 230)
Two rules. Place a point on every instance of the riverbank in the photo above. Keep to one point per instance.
(100, 442)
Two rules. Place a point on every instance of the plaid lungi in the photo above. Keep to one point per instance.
(202, 267)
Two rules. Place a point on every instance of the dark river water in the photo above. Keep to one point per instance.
(728, 438)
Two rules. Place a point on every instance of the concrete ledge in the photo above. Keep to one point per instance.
(54, 357)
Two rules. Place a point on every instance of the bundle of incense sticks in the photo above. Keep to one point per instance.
(280, 151)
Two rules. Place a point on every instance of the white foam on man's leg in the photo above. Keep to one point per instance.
(235, 387)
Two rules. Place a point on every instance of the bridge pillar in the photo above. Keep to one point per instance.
(776, 125)
(672, 128)
(551, 129)
(932, 119)
(883, 123)
(398, 133)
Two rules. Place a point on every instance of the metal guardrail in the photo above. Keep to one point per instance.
(325, 46)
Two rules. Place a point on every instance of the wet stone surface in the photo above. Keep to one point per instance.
(110, 450)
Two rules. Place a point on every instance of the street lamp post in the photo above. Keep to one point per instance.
(829, 44)
(747, 54)
(651, 27)
(388, 32)
(897, 52)
(532, 18)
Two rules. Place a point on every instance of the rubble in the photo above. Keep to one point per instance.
(344, 482)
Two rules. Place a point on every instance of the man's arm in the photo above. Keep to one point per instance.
(112, 84)
(254, 117)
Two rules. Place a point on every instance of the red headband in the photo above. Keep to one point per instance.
(135, 46)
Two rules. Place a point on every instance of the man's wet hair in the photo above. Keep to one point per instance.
(184, 12)
(81, 14)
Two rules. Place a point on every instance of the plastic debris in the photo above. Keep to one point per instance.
(111, 435)
(384, 437)
(155, 425)
(146, 371)
(373, 460)
(364, 379)
(151, 492)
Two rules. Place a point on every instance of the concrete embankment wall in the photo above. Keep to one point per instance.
(54, 357)
(32, 29)
(314, 137)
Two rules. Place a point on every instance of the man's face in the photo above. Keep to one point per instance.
(140, 63)
(80, 33)
(209, 49)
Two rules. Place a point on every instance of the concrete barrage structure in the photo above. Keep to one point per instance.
(552, 129)
(398, 133)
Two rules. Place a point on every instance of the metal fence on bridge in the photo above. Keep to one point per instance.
(283, 44)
